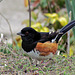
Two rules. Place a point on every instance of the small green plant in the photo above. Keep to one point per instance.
(70, 4)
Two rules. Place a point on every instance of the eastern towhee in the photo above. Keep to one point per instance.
(42, 45)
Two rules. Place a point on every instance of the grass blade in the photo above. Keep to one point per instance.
(73, 9)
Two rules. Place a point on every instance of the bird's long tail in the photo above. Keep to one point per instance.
(63, 30)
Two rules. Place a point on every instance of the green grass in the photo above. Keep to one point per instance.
(16, 62)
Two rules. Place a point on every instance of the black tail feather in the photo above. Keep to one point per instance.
(65, 29)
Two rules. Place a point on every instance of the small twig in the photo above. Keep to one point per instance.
(8, 24)
(29, 14)
(49, 6)
(68, 36)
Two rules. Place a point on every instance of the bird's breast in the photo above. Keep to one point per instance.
(36, 55)
(43, 50)
(46, 48)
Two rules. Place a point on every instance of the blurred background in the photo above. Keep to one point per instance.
(17, 13)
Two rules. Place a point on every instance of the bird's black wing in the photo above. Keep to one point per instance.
(55, 36)
(47, 36)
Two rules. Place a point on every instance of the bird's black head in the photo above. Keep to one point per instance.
(29, 35)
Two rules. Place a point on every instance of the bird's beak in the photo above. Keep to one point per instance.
(20, 34)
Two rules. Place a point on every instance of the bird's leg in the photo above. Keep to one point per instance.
(35, 62)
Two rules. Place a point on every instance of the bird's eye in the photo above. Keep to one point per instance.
(26, 33)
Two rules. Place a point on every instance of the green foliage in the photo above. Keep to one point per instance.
(4, 50)
(70, 4)
(56, 21)
(61, 3)
(34, 15)
(43, 3)
(49, 5)
(41, 72)
(73, 9)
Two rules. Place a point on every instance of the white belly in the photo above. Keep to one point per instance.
(35, 55)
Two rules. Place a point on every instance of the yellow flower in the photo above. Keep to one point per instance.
(17, 42)
(71, 52)
(26, 3)
(64, 55)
